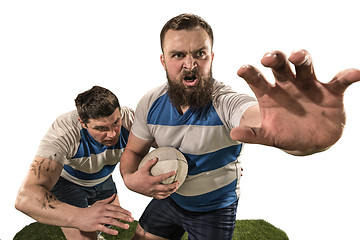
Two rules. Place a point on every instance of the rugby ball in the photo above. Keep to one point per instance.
(169, 159)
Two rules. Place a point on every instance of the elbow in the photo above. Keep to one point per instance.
(127, 183)
(22, 201)
(19, 203)
(22, 204)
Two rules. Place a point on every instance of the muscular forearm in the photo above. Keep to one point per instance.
(44, 207)
(129, 163)
(135, 150)
(35, 199)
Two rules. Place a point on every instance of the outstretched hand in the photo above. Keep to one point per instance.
(298, 113)
(95, 217)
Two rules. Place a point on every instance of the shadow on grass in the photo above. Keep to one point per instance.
(244, 229)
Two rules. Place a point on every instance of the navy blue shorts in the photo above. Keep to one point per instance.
(80, 196)
(164, 218)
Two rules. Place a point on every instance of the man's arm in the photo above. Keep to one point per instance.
(36, 200)
(140, 180)
(298, 113)
(252, 119)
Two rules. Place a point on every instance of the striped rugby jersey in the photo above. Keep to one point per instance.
(203, 136)
(85, 161)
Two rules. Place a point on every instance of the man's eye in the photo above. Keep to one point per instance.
(117, 123)
(101, 129)
(178, 55)
(200, 54)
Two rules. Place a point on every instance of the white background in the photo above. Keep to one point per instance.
(52, 50)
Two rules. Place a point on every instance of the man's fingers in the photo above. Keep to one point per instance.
(107, 230)
(255, 80)
(149, 164)
(162, 177)
(160, 196)
(127, 214)
(162, 191)
(112, 222)
(115, 209)
(303, 65)
(342, 80)
(117, 218)
(277, 61)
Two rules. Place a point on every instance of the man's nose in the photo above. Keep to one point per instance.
(189, 62)
(111, 133)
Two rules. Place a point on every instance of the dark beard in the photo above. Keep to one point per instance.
(195, 97)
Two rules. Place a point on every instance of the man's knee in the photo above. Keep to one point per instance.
(141, 234)
(76, 234)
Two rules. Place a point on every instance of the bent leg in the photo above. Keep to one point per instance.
(213, 225)
(159, 221)
(141, 234)
(76, 234)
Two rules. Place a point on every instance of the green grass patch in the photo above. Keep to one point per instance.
(244, 229)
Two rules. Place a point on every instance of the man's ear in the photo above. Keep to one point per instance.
(162, 60)
(83, 124)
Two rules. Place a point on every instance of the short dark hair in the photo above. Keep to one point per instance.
(186, 21)
(96, 103)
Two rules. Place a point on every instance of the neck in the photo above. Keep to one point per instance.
(182, 109)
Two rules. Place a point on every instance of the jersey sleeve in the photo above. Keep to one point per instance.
(231, 105)
(127, 117)
(140, 128)
(62, 139)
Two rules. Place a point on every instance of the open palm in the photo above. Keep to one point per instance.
(298, 112)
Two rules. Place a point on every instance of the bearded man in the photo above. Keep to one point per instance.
(208, 122)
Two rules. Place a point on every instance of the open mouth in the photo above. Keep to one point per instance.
(190, 78)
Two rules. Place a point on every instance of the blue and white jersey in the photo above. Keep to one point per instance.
(203, 136)
(85, 161)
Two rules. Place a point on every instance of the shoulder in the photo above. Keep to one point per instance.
(223, 94)
(139, 128)
(154, 94)
(127, 117)
(221, 89)
(230, 105)
(62, 138)
(150, 97)
(67, 121)
(71, 116)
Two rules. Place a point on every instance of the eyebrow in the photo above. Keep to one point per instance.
(201, 49)
(101, 126)
(117, 120)
(181, 51)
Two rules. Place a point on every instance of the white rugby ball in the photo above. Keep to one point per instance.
(169, 159)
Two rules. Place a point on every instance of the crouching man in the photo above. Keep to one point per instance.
(69, 183)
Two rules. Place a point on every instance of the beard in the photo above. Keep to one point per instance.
(193, 97)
